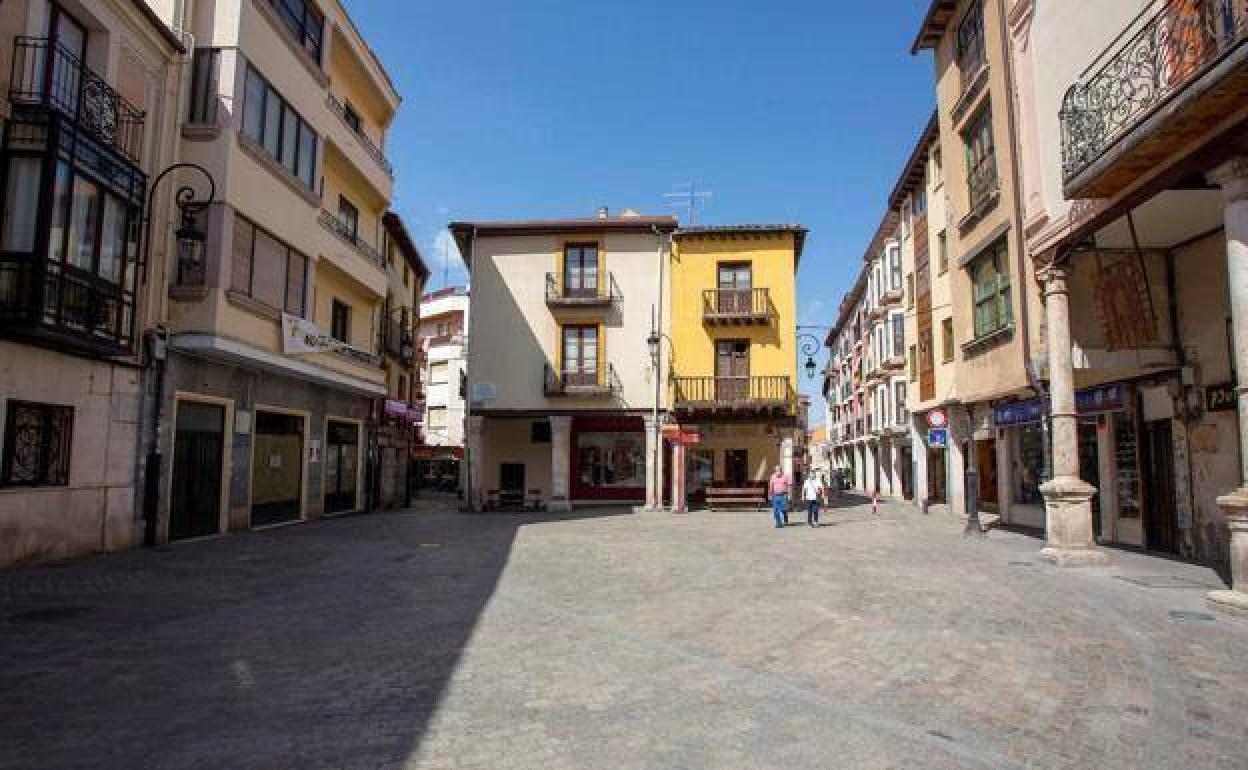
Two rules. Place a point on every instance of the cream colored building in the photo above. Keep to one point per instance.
(275, 377)
(1141, 223)
(560, 383)
(88, 94)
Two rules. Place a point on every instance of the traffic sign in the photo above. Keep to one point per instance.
(938, 437)
(937, 418)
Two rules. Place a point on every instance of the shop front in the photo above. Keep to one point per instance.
(608, 459)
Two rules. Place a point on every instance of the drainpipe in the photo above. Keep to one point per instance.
(1016, 168)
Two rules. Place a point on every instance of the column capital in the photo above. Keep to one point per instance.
(1232, 177)
(1053, 277)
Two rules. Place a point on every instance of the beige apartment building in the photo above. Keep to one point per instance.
(88, 94)
(443, 341)
(994, 298)
(275, 376)
(561, 389)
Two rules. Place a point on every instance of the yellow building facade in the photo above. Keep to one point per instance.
(733, 375)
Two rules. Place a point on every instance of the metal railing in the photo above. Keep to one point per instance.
(603, 291)
(344, 231)
(47, 74)
(734, 390)
(737, 303)
(1139, 72)
(369, 146)
(561, 383)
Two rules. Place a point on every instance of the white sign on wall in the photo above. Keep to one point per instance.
(299, 335)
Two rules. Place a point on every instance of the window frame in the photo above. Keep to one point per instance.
(205, 82)
(445, 370)
(340, 316)
(303, 130)
(580, 267)
(998, 295)
(947, 340)
(349, 215)
(970, 42)
(300, 28)
(979, 148)
(249, 291)
(48, 475)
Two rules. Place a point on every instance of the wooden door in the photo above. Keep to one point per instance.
(986, 464)
(511, 477)
(732, 370)
(1161, 531)
(736, 466)
(736, 281)
(580, 270)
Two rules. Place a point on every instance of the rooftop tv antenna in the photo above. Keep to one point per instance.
(688, 197)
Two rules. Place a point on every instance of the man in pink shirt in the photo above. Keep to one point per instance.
(778, 490)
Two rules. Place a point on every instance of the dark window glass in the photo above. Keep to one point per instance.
(351, 117)
(304, 22)
(37, 441)
(290, 140)
(253, 106)
(60, 212)
(205, 72)
(307, 155)
(340, 321)
(274, 124)
(349, 216)
(991, 283)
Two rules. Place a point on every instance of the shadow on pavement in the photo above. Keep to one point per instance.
(327, 644)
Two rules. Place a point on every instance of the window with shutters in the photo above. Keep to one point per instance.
(990, 280)
(266, 269)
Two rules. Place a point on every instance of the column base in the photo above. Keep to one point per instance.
(1075, 557)
(1230, 602)
(1068, 515)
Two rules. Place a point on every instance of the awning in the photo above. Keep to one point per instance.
(240, 354)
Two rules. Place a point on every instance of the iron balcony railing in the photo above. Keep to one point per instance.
(602, 292)
(1141, 71)
(344, 231)
(737, 304)
(47, 74)
(369, 146)
(734, 391)
(598, 381)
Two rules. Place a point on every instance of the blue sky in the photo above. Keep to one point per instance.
(792, 111)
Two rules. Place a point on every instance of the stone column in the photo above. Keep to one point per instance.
(786, 457)
(475, 466)
(918, 448)
(1005, 475)
(1067, 498)
(654, 450)
(679, 502)
(1233, 178)
(560, 463)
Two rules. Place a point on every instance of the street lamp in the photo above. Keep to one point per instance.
(809, 345)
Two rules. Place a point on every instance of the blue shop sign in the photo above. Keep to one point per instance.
(1018, 413)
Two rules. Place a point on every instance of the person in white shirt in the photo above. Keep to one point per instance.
(812, 491)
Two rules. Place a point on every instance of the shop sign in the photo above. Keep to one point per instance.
(396, 408)
(422, 453)
(938, 438)
(299, 335)
(1103, 398)
(1220, 398)
(679, 435)
(1018, 413)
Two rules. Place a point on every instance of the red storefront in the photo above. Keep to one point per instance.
(608, 458)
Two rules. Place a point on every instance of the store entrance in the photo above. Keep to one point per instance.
(1090, 468)
(937, 488)
(1161, 530)
(195, 503)
(986, 465)
(342, 451)
(907, 473)
(276, 469)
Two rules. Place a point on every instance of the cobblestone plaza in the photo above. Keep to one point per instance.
(427, 639)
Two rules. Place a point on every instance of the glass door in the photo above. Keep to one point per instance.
(68, 51)
(734, 290)
(580, 355)
(342, 451)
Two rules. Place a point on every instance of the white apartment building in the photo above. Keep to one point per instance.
(441, 338)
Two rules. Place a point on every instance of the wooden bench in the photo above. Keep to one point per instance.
(736, 497)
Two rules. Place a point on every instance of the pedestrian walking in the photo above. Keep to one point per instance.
(812, 490)
(778, 490)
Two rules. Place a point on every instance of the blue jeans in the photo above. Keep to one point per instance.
(812, 511)
(778, 505)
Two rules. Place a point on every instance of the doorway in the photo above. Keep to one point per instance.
(732, 370)
(907, 473)
(1161, 530)
(64, 76)
(736, 466)
(276, 469)
(342, 452)
(734, 292)
(937, 486)
(198, 449)
(511, 477)
(986, 465)
(1090, 468)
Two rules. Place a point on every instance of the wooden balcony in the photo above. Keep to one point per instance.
(605, 294)
(1178, 71)
(737, 307)
(602, 383)
(769, 396)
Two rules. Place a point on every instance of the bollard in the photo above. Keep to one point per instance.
(972, 503)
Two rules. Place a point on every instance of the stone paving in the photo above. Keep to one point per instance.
(429, 639)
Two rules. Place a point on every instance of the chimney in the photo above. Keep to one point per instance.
(602, 212)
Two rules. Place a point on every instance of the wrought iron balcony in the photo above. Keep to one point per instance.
(737, 306)
(64, 305)
(597, 383)
(332, 223)
(47, 75)
(1186, 56)
(747, 395)
(369, 146)
(604, 293)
